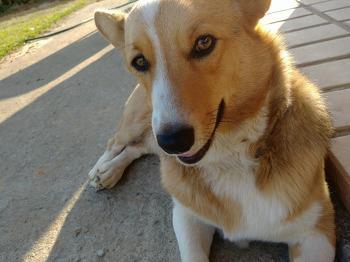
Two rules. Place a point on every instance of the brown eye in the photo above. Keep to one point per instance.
(203, 46)
(140, 63)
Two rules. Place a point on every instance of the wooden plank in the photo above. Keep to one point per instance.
(297, 23)
(314, 34)
(338, 168)
(330, 74)
(340, 15)
(330, 5)
(285, 15)
(321, 51)
(339, 105)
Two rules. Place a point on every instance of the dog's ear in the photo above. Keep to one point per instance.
(111, 26)
(253, 10)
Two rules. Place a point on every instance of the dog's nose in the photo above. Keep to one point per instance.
(176, 139)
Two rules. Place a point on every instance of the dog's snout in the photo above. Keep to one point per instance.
(176, 139)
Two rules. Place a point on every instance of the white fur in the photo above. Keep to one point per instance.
(226, 149)
(263, 217)
(164, 109)
(315, 248)
(193, 236)
(234, 178)
(107, 156)
(110, 167)
(260, 214)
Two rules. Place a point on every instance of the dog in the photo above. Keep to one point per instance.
(241, 134)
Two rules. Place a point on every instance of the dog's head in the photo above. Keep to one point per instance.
(198, 61)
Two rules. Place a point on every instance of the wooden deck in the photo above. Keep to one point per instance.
(318, 36)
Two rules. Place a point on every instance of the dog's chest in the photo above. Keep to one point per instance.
(259, 214)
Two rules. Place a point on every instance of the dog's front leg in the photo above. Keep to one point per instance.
(193, 236)
(314, 246)
(133, 139)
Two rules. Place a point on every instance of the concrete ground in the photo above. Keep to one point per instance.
(60, 100)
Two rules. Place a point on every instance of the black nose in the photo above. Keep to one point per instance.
(176, 139)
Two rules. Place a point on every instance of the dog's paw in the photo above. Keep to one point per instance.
(111, 166)
(105, 173)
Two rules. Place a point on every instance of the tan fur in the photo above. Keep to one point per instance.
(188, 187)
(249, 70)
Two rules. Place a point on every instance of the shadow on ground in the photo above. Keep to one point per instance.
(48, 146)
(51, 67)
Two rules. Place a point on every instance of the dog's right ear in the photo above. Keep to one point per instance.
(254, 10)
(111, 26)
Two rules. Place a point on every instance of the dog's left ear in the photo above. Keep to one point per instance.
(254, 10)
(111, 26)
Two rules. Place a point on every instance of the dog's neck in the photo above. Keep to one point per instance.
(245, 140)
(235, 143)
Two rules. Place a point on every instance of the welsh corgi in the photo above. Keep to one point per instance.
(241, 134)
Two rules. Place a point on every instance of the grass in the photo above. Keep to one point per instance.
(14, 32)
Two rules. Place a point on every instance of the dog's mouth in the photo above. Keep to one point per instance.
(195, 158)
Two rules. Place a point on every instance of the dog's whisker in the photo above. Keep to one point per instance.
(212, 112)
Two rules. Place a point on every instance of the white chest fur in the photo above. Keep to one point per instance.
(234, 178)
(230, 172)
(259, 214)
(262, 217)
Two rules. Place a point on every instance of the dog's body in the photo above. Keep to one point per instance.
(254, 159)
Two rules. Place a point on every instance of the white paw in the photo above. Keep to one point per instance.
(104, 174)
(110, 167)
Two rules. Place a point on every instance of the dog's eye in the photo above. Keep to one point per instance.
(203, 46)
(140, 63)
